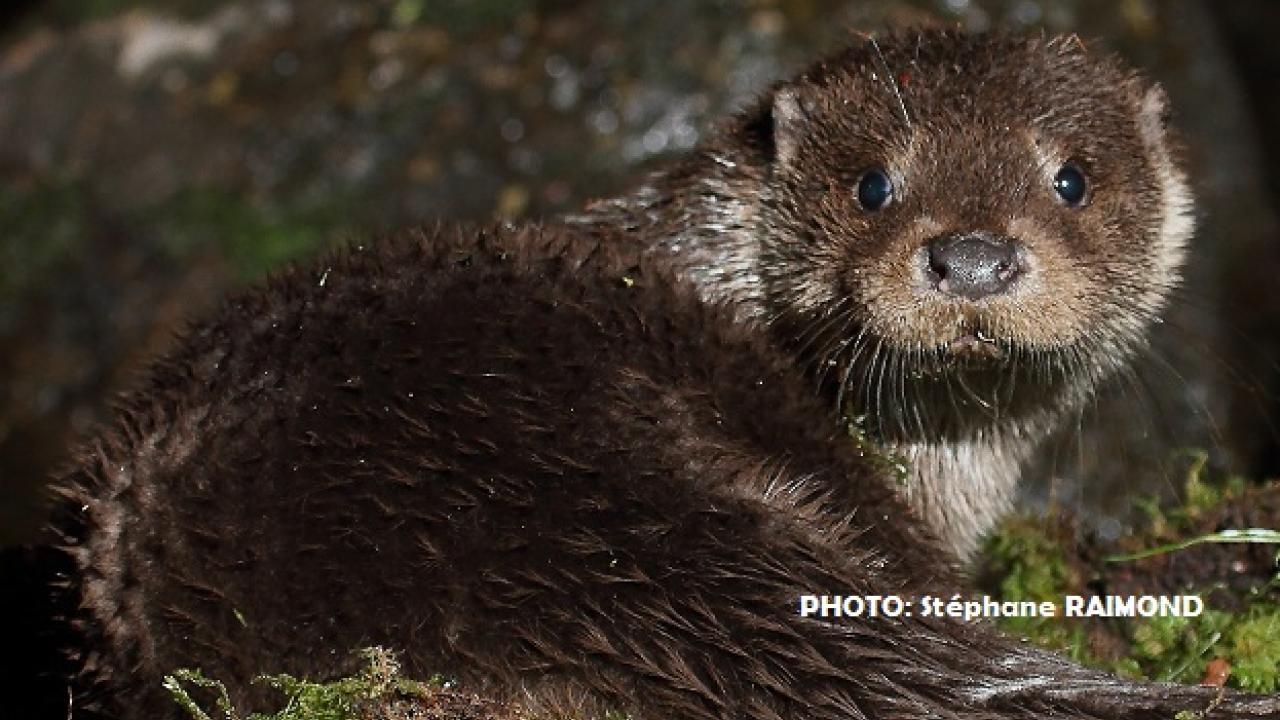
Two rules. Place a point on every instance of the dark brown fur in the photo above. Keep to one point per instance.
(538, 461)
(532, 462)
(501, 452)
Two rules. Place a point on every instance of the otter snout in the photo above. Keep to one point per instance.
(973, 265)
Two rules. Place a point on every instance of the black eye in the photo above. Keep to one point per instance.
(874, 190)
(1070, 185)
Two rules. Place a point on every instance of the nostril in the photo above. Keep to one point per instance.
(937, 265)
(973, 265)
(1006, 271)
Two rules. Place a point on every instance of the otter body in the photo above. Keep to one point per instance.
(533, 462)
(504, 453)
(594, 467)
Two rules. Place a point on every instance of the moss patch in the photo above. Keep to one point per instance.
(254, 238)
(895, 466)
(1031, 565)
(1214, 545)
(347, 699)
(44, 228)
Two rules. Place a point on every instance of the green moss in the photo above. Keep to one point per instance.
(1179, 649)
(254, 238)
(50, 230)
(1176, 649)
(380, 680)
(1030, 564)
(894, 465)
(43, 227)
(1033, 567)
(177, 684)
(1199, 496)
(1255, 649)
(1173, 529)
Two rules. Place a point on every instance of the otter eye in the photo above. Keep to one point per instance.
(1070, 185)
(874, 190)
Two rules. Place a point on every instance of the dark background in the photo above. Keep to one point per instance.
(155, 155)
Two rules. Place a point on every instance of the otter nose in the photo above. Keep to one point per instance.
(973, 265)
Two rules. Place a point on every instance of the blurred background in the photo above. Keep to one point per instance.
(157, 154)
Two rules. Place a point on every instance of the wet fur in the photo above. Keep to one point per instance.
(533, 462)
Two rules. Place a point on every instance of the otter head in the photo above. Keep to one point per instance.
(963, 235)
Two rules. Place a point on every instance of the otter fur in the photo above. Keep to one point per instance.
(973, 133)
(593, 467)
(535, 462)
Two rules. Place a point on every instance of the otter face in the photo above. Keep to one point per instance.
(949, 259)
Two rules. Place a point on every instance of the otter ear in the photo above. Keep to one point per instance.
(1154, 113)
(788, 124)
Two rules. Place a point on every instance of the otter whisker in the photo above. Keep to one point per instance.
(891, 80)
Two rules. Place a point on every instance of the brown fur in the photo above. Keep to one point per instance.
(972, 130)
(532, 462)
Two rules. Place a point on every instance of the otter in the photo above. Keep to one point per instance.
(594, 465)
(936, 199)
(539, 462)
